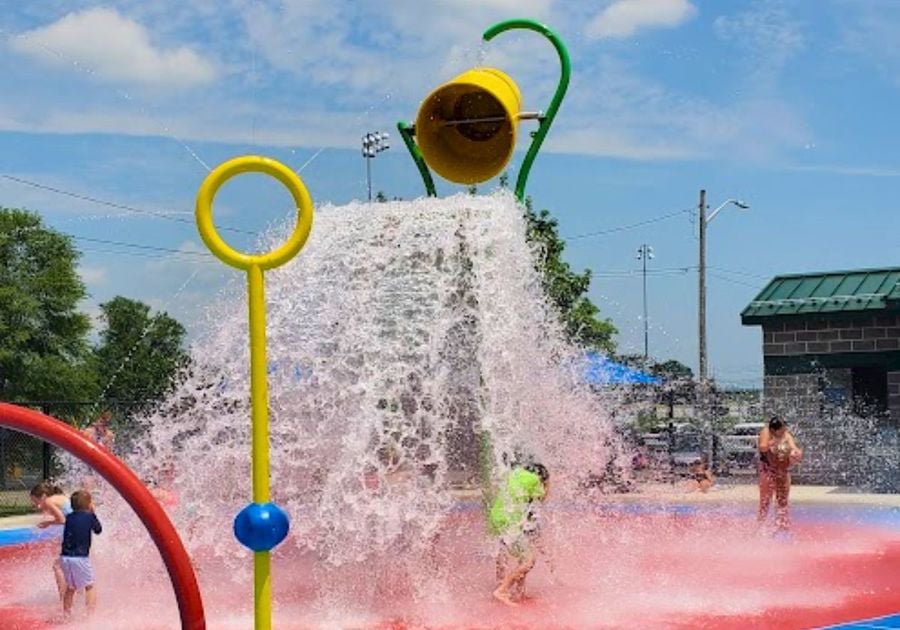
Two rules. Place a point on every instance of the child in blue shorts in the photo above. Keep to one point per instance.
(75, 560)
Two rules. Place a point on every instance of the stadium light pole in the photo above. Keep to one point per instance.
(373, 143)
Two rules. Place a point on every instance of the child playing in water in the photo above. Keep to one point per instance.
(777, 453)
(75, 558)
(513, 518)
(50, 500)
(701, 477)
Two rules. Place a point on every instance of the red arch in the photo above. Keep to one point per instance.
(120, 476)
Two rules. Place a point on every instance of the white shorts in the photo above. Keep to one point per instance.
(78, 571)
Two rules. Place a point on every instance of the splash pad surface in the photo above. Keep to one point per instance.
(402, 330)
(614, 565)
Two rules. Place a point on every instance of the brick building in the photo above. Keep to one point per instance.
(831, 351)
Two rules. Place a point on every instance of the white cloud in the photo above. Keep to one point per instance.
(768, 36)
(315, 73)
(849, 170)
(612, 142)
(624, 18)
(113, 48)
(871, 31)
(92, 275)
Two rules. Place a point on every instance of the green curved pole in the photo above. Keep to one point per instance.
(407, 132)
(547, 119)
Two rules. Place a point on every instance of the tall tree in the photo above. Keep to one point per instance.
(566, 289)
(44, 354)
(139, 354)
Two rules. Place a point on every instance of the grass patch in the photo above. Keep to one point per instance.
(15, 510)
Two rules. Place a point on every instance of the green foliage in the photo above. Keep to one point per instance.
(44, 354)
(139, 354)
(380, 197)
(566, 289)
(672, 369)
(44, 351)
(646, 421)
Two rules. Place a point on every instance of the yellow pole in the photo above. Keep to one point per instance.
(255, 265)
(259, 409)
(259, 386)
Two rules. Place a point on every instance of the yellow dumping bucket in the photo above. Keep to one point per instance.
(466, 128)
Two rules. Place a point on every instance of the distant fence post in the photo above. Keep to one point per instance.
(3, 435)
(46, 456)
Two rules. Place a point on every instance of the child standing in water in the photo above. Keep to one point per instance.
(50, 500)
(777, 453)
(513, 518)
(75, 558)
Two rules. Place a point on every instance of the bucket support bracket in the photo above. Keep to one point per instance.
(407, 131)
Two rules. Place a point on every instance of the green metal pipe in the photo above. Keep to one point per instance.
(547, 120)
(407, 132)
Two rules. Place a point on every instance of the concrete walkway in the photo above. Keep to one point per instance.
(749, 493)
(17, 522)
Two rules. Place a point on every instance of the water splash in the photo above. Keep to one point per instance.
(397, 339)
(411, 355)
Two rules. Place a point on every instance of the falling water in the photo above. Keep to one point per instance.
(411, 352)
(412, 356)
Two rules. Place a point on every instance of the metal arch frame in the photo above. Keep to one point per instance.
(127, 484)
(407, 131)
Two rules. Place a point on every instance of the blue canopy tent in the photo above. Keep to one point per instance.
(601, 370)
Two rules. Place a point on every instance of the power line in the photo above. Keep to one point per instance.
(741, 273)
(623, 228)
(142, 254)
(139, 246)
(627, 273)
(153, 248)
(111, 204)
(733, 281)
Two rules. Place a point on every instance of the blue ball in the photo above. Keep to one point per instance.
(261, 526)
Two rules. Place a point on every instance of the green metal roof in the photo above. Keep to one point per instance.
(829, 292)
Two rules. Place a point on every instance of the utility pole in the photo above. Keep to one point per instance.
(645, 253)
(703, 388)
(701, 308)
(701, 396)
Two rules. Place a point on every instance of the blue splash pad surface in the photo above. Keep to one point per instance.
(891, 621)
(29, 535)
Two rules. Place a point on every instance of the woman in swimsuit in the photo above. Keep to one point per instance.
(777, 453)
(51, 500)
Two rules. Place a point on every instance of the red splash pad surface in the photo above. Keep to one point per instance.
(708, 569)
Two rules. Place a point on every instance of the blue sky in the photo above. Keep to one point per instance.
(789, 105)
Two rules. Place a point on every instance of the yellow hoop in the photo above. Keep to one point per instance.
(253, 164)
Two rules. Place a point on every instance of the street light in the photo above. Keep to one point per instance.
(645, 253)
(372, 144)
(701, 310)
(737, 202)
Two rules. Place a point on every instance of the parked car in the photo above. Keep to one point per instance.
(739, 446)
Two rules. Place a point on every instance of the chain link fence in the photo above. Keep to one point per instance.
(25, 460)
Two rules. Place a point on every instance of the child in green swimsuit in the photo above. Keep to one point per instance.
(514, 521)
